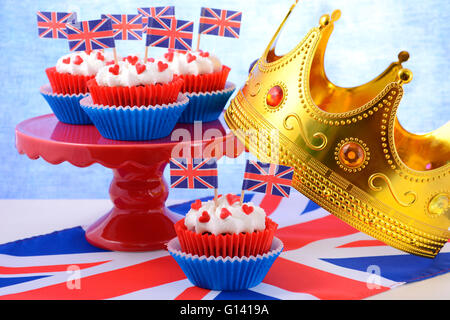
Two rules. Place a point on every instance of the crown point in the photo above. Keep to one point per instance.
(336, 15)
(405, 76)
(403, 56)
(325, 20)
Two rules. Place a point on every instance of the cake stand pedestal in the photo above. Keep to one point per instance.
(139, 220)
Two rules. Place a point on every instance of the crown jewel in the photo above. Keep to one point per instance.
(350, 153)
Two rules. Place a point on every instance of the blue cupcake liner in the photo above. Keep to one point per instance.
(206, 106)
(228, 273)
(134, 123)
(66, 107)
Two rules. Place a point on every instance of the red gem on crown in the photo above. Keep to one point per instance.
(274, 96)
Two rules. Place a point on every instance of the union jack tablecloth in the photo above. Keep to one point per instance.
(323, 258)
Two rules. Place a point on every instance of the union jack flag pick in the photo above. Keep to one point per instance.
(193, 173)
(170, 33)
(223, 23)
(53, 24)
(126, 26)
(90, 35)
(155, 12)
(268, 178)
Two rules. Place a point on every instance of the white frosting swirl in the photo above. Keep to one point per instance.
(183, 63)
(133, 73)
(238, 221)
(81, 63)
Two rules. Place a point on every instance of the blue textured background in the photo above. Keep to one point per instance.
(366, 39)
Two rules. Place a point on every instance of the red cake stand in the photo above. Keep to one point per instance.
(139, 220)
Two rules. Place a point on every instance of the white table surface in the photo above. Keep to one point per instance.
(25, 218)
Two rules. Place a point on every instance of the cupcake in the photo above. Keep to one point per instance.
(135, 100)
(201, 71)
(68, 84)
(205, 83)
(74, 70)
(224, 245)
(134, 82)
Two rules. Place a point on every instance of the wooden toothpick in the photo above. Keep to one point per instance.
(242, 197)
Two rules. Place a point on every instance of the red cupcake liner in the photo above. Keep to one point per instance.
(66, 83)
(145, 95)
(205, 82)
(226, 245)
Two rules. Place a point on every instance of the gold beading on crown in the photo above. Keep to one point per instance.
(341, 143)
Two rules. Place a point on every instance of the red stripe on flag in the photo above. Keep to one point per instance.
(363, 243)
(110, 284)
(270, 203)
(46, 269)
(301, 234)
(321, 284)
(193, 293)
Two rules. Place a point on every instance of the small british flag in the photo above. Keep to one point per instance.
(218, 22)
(126, 26)
(193, 173)
(170, 33)
(53, 24)
(90, 35)
(268, 178)
(155, 12)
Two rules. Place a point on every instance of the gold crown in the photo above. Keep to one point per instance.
(351, 155)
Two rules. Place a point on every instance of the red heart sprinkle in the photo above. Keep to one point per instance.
(204, 54)
(132, 59)
(140, 68)
(78, 60)
(100, 56)
(196, 205)
(151, 60)
(224, 213)
(190, 58)
(162, 66)
(114, 70)
(247, 209)
(66, 61)
(110, 63)
(204, 217)
(231, 198)
(169, 56)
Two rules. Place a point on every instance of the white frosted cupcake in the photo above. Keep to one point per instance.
(74, 70)
(225, 229)
(134, 82)
(201, 71)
